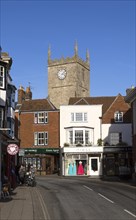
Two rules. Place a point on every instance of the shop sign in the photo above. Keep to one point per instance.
(21, 152)
(82, 149)
(117, 149)
(41, 151)
(12, 149)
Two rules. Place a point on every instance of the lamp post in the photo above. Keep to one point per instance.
(1, 129)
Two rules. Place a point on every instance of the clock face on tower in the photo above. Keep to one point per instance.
(62, 74)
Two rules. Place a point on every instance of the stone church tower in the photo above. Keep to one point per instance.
(68, 77)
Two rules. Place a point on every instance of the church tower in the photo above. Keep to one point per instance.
(68, 77)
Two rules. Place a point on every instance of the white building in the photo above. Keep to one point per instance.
(85, 128)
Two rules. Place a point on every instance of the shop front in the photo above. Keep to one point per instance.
(81, 161)
(117, 161)
(44, 160)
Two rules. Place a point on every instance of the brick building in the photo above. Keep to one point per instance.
(38, 131)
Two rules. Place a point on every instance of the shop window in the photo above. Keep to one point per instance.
(35, 162)
(115, 138)
(40, 138)
(75, 167)
(41, 117)
(118, 116)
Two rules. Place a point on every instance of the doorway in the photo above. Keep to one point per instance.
(94, 166)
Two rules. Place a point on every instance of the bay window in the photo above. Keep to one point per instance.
(83, 136)
(78, 136)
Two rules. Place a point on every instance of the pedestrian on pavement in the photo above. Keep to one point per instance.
(22, 172)
(13, 175)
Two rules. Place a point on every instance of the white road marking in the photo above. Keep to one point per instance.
(130, 213)
(110, 201)
(106, 198)
(88, 187)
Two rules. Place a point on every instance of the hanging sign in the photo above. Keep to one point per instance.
(12, 149)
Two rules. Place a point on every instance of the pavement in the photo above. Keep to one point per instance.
(18, 206)
(26, 203)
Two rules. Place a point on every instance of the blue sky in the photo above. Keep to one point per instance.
(105, 28)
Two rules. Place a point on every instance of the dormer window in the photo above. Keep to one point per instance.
(2, 80)
(118, 116)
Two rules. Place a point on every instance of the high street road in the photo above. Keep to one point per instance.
(82, 198)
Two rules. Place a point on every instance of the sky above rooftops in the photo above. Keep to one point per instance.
(105, 28)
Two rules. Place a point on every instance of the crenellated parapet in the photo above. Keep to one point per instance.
(73, 59)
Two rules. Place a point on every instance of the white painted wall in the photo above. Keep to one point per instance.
(2, 97)
(125, 129)
(93, 111)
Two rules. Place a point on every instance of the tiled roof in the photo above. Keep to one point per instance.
(37, 105)
(131, 95)
(106, 101)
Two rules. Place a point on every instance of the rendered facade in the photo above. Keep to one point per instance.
(96, 131)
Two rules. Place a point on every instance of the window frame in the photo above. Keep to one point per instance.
(113, 138)
(118, 117)
(41, 117)
(79, 116)
(2, 77)
(41, 140)
(84, 138)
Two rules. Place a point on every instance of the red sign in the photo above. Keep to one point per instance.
(12, 149)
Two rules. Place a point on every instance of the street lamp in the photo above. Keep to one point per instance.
(1, 129)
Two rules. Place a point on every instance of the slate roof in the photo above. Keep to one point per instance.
(106, 101)
(37, 105)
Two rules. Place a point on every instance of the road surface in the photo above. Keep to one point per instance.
(71, 198)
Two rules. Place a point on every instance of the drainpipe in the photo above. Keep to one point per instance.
(100, 127)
